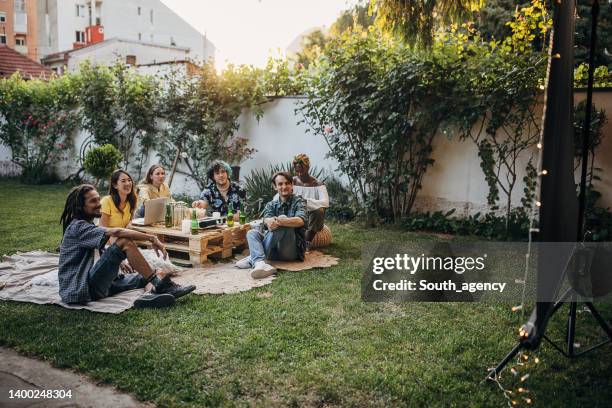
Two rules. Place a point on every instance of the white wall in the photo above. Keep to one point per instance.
(454, 181)
(278, 138)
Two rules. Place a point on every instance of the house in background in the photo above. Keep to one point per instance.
(107, 52)
(18, 28)
(67, 25)
(12, 62)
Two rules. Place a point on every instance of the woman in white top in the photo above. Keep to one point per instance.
(315, 193)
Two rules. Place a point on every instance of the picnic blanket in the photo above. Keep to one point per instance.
(32, 277)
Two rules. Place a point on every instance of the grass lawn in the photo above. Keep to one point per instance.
(305, 340)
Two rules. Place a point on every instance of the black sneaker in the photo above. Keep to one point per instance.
(167, 286)
(154, 300)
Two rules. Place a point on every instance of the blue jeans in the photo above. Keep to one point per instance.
(277, 245)
(105, 279)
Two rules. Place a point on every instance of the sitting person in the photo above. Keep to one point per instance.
(221, 191)
(315, 193)
(81, 280)
(285, 220)
(119, 205)
(152, 186)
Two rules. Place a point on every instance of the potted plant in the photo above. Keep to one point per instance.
(237, 152)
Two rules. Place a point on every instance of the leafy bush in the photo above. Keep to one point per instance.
(119, 106)
(259, 187)
(202, 111)
(101, 161)
(488, 226)
(37, 119)
(340, 201)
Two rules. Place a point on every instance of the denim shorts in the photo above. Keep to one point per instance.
(105, 279)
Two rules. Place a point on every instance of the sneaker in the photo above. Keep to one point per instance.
(153, 300)
(262, 270)
(167, 286)
(244, 263)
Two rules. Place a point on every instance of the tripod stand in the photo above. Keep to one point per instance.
(528, 331)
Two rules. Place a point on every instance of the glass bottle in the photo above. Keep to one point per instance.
(230, 216)
(194, 223)
(168, 219)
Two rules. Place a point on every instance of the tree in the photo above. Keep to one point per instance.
(201, 113)
(603, 51)
(416, 20)
(356, 18)
(119, 107)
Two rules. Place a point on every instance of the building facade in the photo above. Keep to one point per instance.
(65, 25)
(18, 26)
(108, 52)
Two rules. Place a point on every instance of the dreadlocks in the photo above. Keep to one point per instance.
(74, 205)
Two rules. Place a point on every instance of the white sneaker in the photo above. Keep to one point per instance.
(262, 270)
(244, 263)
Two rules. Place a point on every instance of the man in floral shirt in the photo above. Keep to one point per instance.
(221, 191)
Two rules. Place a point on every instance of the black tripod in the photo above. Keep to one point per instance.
(570, 295)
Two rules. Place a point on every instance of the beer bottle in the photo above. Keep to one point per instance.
(168, 219)
(230, 216)
(194, 223)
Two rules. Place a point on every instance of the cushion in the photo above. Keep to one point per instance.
(322, 239)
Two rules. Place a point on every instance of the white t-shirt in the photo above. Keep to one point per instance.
(316, 197)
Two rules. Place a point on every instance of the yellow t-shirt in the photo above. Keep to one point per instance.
(118, 219)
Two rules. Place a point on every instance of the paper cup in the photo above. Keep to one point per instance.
(186, 226)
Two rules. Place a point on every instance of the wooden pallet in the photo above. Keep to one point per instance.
(217, 242)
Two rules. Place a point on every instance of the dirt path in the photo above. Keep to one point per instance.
(22, 373)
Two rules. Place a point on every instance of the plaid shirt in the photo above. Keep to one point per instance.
(294, 206)
(235, 195)
(76, 259)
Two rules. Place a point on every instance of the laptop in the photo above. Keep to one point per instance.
(154, 212)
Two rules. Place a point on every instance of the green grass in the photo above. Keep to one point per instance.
(305, 340)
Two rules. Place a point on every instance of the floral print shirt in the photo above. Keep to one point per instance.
(235, 195)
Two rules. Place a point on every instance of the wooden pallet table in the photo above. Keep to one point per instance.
(217, 242)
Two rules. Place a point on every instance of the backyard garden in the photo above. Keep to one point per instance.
(379, 101)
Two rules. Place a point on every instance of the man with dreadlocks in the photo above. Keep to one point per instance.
(81, 280)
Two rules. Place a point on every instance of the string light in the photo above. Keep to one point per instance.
(539, 145)
(517, 308)
(538, 204)
(544, 172)
(524, 378)
(557, 56)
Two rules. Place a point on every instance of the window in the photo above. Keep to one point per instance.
(138, 10)
(151, 16)
(139, 37)
(20, 6)
(20, 41)
(130, 60)
(2, 39)
(151, 37)
(80, 36)
(80, 10)
(172, 42)
(2, 17)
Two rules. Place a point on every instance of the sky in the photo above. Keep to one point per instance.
(248, 31)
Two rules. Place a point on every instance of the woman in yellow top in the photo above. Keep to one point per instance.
(152, 186)
(118, 207)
